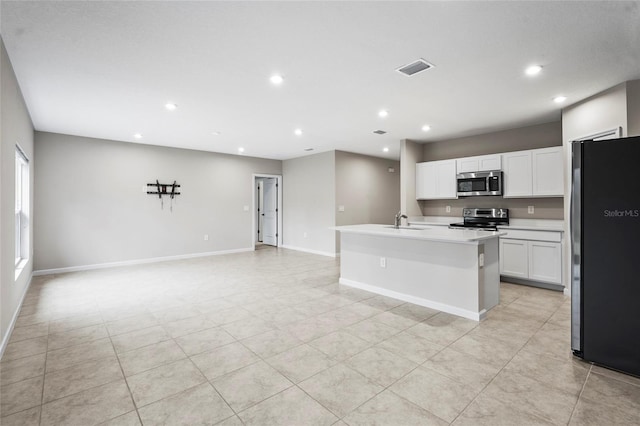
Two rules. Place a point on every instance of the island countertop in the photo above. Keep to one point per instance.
(427, 233)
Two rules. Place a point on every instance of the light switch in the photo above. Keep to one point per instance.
(530, 209)
(246, 208)
(340, 208)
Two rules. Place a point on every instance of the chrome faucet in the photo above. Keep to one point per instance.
(399, 218)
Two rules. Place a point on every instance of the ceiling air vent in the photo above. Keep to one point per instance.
(414, 67)
(379, 132)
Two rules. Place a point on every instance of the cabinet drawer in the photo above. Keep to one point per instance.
(525, 234)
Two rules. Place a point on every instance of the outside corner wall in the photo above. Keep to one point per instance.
(633, 107)
(309, 203)
(16, 128)
(93, 207)
(410, 155)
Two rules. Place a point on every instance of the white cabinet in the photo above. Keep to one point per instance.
(517, 174)
(514, 258)
(479, 163)
(533, 173)
(532, 255)
(548, 175)
(436, 180)
(544, 262)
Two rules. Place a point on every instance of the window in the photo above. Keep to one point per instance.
(22, 208)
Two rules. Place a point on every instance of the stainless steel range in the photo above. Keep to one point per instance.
(482, 219)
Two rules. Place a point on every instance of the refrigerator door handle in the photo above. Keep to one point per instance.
(575, 231)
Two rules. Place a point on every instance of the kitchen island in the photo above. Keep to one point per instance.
(451, 270)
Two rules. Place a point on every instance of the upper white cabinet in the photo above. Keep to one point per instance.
(548, 175)
(436, 180)
(517, 174)
(533, 173)
(480, 163)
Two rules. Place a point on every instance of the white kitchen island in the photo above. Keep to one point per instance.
(451, 270)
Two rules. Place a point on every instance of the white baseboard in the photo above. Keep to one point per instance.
(137, 261)
(12, 324)
(305, 250)
(476, 316)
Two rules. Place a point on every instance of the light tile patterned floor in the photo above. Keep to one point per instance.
(269, 337)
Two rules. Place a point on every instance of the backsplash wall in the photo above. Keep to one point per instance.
(544, 208)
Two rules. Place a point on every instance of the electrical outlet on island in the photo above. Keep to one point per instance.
(530, 209)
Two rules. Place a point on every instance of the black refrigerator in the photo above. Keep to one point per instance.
(605, 250)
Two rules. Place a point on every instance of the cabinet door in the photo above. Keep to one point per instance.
(466, 165)
(545, 262)
(548, 172)
(489, 162)
(517, 174)
(425, 181)
(514, 259)
(446, 179)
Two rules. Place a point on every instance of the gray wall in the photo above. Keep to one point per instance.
(410, 155)
(530, 137)
(93, 209)
(309, 200)
(366, 189)
(15, 128)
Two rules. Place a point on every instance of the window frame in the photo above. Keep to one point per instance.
(21, 198)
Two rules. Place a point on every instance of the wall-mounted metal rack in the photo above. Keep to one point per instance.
(164, 189)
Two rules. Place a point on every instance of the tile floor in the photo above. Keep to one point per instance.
(269, 337)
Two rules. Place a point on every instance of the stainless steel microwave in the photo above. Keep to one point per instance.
(479, 183)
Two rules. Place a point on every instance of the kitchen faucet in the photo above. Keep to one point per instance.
(399, 218)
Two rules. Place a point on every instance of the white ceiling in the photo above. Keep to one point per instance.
(106, 69)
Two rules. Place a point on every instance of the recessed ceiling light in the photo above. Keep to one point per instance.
(216, 133)
(298, 132)
(241, 150)
(170, 107)
(559, 99)
(138, 136)
(276, 79)
(385, 149)
(308, 149)
(383, 113)
(533, 70)
(426, 128)
(379, 132)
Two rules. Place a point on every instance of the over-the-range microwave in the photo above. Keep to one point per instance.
(479, 183)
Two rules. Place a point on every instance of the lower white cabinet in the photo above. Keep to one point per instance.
(532, 259)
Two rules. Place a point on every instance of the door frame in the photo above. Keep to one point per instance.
(254, 207)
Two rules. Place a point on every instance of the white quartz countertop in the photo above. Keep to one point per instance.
(528, 224)
(429, 233)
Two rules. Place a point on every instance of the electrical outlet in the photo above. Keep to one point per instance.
(206, 237)
(383, 262)
(340, 208)
(246, 208)
(481, 260)
(447, 209)
(530, 209)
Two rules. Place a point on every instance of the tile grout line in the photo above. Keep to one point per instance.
(584, 385)
(126, 382)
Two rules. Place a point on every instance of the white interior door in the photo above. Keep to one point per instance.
(270, 212)
(259, 203)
